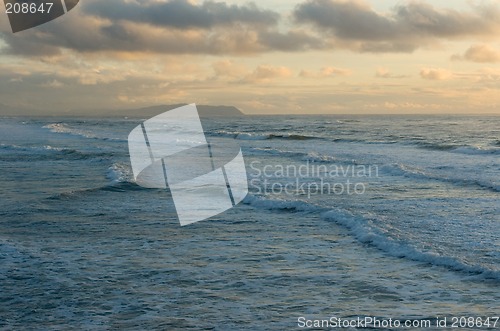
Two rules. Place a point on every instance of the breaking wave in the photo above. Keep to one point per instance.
(414, 172)
(367, 234)
(257, 136)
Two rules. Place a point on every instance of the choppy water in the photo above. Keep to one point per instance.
(82, 246)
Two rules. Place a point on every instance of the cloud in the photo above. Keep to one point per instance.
(294, 40)
(53, 84)
(229, 69)
(173, 27)
(479, 53)
(325, 73)
(384, 73)
(220, 28)
(266, 73)
(435, 74)
(407, 27)
(91, 35)
(182, 14)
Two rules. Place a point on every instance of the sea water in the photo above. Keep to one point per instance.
(347, 216)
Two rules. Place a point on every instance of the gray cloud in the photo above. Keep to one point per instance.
(347, 20)
(182, 14)
(218, 28)
(405, 28)
(83, 34)
(174, 27)
(290, 41)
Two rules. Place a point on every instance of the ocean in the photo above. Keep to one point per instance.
(391, 217)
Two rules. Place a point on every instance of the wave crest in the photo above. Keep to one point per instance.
(65, 129)
(367, 234)
(262, 136)
(417, 173)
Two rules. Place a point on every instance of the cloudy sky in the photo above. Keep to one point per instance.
(274, 56)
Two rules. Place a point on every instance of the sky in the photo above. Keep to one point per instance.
(264, 57)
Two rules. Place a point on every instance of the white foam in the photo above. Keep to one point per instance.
(277, 204)
(471, 150)
(369, 235)
(119, 173)
(399, 169)
(317, 157)
(32, 148)
(250, 136)
(419, 173)
(272, 151)
(63, 128)
(51, 148)
(365, 233)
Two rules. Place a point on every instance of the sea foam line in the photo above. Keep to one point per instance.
(364, 233)
(417, 173)
(65, 129)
